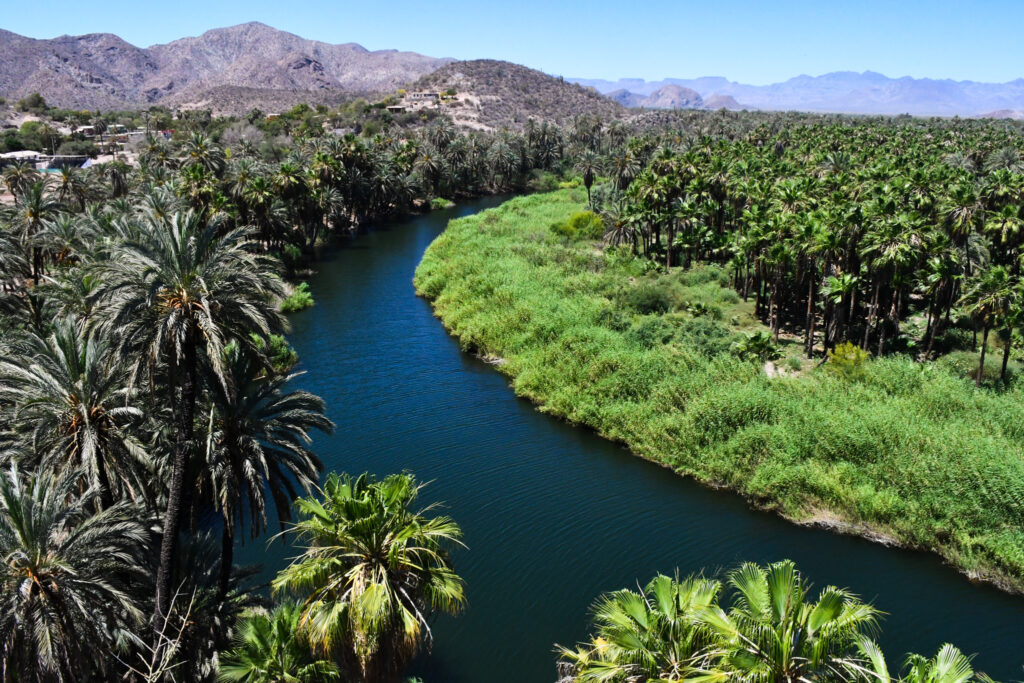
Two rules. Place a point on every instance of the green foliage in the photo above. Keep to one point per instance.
(299, 299)
(685, 629)
(566, 322)
(647, 297)
(848, 361)
(34, 103)
(374, 570)
(278, 351)
(438, 203)
(757, 347)
(270, 648)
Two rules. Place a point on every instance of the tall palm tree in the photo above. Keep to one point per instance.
(270, 648)
(71, 401)
(258, 444)
(66, 579)
(180, 291)
(374, 571)
(588, 164)
(990, 300)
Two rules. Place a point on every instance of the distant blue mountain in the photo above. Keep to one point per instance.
(844, 91)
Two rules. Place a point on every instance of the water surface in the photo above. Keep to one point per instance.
(554, 515)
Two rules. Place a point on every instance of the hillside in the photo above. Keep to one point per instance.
(505, 94)
(842, 91)
(102, 71)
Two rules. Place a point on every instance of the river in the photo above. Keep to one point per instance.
(553, 515)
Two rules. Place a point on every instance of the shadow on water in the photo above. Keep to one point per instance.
(554, 515)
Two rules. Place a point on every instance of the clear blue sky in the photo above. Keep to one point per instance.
(752, 41)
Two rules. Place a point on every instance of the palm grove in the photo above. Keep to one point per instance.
(145, 404)
(145, 410)
(879, 234)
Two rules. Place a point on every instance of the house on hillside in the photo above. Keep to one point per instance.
(23, 156)
(423, 96)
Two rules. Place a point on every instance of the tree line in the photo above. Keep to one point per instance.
(878, 233)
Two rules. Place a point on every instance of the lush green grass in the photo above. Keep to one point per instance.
(912, 450)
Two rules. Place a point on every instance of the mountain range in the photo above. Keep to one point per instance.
(102, 71)
(841, 91)
(233, 69)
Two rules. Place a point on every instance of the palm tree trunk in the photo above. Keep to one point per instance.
(184, 374)
(981, 363)
(227, 556)
(1006, 354)
(871, 315)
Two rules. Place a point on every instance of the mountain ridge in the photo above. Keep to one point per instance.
(866, 92)
(101, 70)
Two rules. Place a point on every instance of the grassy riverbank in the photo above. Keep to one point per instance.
(909, 452)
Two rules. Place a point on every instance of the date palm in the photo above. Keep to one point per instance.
(373, 571)
(66, 579)
(180, 291)
(71, 401)
(258, 445)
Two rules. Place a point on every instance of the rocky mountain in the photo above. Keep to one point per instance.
(495, 94)
(99, 71)
(844, 91)
(674, 97)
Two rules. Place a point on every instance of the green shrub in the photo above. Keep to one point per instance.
(756, 347)
(705, 336)
(648, 297)
(438, 203)
(847, 361)
(278, 351)
(299, 300)
(795, 363)
(652, 331)
(587, 225)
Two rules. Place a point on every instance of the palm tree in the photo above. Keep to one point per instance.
(990, 300)
(258, 444)
(588, 164)
(33, 207)
(649, 635)
(949, 665)
(71, 399)
(65, 579)
(269, 648)
(179, 291)
(374, 571)
(773, 634)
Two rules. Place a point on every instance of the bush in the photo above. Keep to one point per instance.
(647, 298)
(795, 363)
(652, 331)
(756, 347)
(299, 300)
(705, 336)
(438, 203)
(278, 351)
(587, 225)
(847, 361)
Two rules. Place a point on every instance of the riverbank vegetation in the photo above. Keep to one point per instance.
(672, 362)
